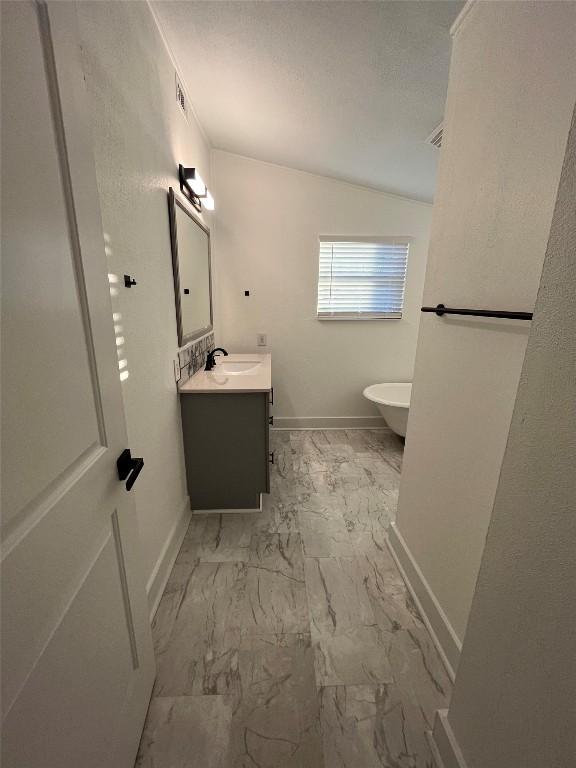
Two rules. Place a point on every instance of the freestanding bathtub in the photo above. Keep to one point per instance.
(393, 401)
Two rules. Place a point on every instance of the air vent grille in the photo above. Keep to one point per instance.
(181, 97)
(435, 137)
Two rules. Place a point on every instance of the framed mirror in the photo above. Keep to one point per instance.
(192, 274)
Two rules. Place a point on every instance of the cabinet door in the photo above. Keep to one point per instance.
(226, 446)
(269, 458)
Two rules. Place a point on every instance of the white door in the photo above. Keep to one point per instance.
(77, 659)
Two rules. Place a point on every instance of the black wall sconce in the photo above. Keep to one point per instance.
(194, 189)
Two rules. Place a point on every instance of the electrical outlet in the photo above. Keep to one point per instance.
(261, 340)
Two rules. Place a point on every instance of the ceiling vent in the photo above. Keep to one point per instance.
(435, 137)
(181, 96)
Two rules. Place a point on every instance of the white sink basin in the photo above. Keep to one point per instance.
(234, 367)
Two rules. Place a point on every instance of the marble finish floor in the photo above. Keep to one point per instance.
(287, 639)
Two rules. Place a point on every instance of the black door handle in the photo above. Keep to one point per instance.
(129, 468)
(271, 457)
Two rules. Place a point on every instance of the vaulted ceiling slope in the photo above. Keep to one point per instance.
(343, 89)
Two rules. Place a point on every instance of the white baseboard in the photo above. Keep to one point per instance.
(442, 632)
(157, 581)
(443, 744)
(329, 422)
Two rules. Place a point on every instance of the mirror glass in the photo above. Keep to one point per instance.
(191, 265)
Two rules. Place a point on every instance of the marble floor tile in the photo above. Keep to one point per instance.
(379, 473)
(356, 656)
(390, 448)
(276, 722)
(417, 667)
(275, 590)
(347, 474)
(308, 443)
(201, 656)
(381, 442)
(278, 552)
(323, 537)
(185, 732)
(392, 603)
(337, 595)
(279, 514)
(283, 467)
(372, 726)
(330, 537)
(171, 600)
(308, 465)
(273, 641)
(195, 527)
(369, 509)
(368, 543)
(220, 538)
(276, 603)
(287, 638)
(291, 483)
(362, 441)
(337, 442)
(393, 459)
(328, 506)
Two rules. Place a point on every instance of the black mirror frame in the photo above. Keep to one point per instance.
(174, 201)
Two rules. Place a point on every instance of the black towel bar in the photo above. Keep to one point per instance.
(440, 310)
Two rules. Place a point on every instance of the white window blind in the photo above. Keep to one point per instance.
(362, 278)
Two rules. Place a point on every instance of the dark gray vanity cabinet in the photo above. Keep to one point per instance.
(227, 448)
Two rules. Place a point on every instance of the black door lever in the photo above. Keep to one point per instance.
(128, 468)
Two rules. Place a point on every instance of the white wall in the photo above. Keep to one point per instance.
(269, 221)
(513, 703)
(140, 136)
(510, 96)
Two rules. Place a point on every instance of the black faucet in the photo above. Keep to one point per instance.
(210, 361)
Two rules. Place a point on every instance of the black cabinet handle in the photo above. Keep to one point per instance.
(272, 396)
(271, 457)
(129, 468)
(271, 420)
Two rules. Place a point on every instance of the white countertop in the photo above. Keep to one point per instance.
(259, 380)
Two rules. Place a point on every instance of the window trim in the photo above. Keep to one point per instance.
(377, 239)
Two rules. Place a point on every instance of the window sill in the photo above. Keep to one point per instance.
(358, 317)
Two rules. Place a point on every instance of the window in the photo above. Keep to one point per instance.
(361, 278)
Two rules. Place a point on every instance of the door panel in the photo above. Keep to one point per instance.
(45, 321)
(77, 660)
(69, 734)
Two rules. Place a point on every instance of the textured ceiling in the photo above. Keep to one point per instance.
(343, 89)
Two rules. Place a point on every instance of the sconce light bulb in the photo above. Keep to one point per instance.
(196, 184)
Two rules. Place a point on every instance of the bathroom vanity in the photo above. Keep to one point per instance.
(225, 411)
(226, 422)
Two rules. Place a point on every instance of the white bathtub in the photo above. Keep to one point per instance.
(393, 401)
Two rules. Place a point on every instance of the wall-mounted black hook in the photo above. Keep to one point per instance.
(129, 281)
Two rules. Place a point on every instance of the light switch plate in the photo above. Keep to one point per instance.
(261, 340)
(177, 372)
